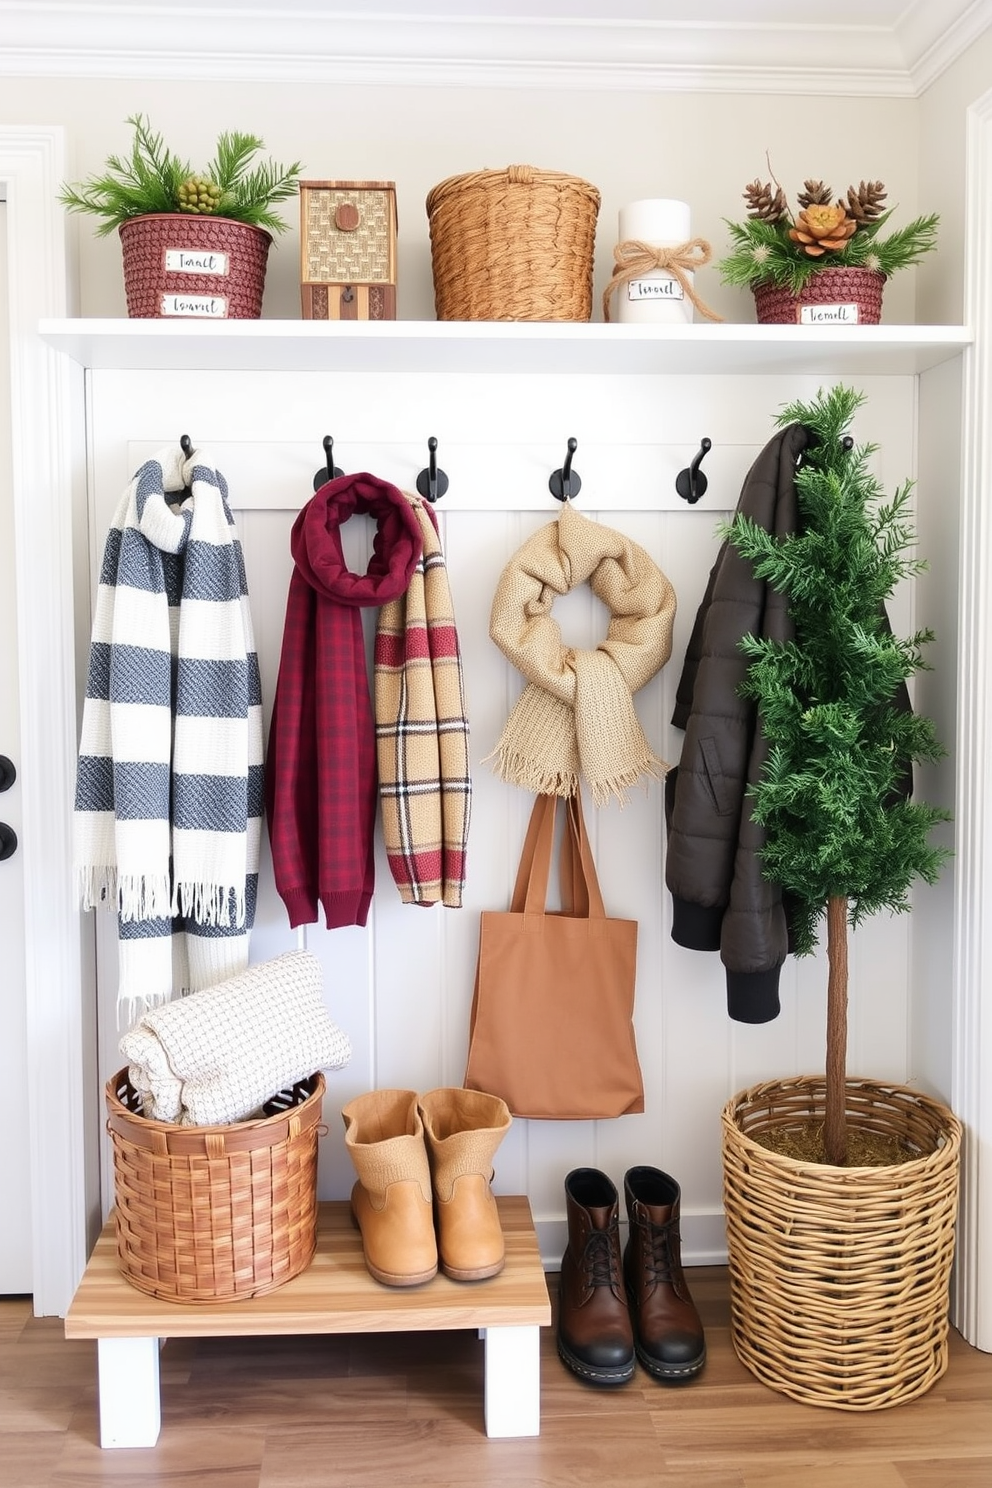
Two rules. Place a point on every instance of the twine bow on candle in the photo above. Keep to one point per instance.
(634, 258)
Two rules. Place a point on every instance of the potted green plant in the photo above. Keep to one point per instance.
(840, 1250)
(826, 263)
(195, 242)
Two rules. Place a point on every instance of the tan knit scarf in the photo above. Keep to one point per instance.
(576, 716)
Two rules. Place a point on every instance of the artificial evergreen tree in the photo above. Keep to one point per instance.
(843, 838)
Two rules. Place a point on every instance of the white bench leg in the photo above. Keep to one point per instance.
(513, 1381)
(130, 1402)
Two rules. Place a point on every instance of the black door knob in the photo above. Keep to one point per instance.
(7, 773)
(8, 841)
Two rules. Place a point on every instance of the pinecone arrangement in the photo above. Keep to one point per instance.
(776, 245)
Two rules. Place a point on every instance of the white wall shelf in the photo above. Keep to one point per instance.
(503, 347)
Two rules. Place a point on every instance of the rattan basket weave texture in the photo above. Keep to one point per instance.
(215, 1213)
(514, 244)
(841, 286)
(155, 292)
(839, 1276)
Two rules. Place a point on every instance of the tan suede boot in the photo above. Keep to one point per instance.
(391, 1201)
(463, 1130)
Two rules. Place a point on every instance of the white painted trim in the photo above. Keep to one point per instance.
(31, 165)
(971, 1096)
(255, 43)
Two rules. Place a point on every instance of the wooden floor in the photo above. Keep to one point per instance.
(377, 1410)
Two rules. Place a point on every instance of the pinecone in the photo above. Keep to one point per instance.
(765, 204)
(199, 195)
(822, 228)
(815, 194)
(865, 204)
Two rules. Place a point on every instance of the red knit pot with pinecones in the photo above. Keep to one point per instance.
(193, 268)
(837, 296)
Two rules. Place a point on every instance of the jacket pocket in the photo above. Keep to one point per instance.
(715, 777)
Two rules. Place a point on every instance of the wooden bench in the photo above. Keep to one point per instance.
(334, 1295)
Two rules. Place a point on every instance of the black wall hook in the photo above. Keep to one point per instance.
(566, 482)
(186, 445)
(692, 483)
(328, 471)
(432, 482)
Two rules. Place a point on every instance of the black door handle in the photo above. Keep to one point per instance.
(8, 841)
(7, 773)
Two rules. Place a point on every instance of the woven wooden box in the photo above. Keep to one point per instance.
(215, 1213)
(348, 250)
(514, 244)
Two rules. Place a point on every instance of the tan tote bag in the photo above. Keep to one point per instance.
(551, 1027)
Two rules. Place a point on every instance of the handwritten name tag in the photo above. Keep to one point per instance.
(199, 307)
(654, 289)
(203, 261)
(828, 315)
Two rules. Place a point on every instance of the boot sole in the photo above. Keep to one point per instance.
(475, 1273)
(388, 1279)
(621, 1375)
(670, 1372)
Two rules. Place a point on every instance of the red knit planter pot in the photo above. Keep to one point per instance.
(840, 287)
(177, 265)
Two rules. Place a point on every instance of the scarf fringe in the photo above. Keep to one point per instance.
(134, 896)
(519, 769)
(209, 903)
(134, 1006)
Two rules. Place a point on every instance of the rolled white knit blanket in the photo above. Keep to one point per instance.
(217, 1055)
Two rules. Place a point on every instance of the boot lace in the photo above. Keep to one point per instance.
(599, 1258)
(657, 1255)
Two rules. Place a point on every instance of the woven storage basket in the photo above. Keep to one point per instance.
(215, 1213)
(155, 291)
(514, 244)
(850, 286)
(839, 1276)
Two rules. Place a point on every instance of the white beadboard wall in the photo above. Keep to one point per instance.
(402, 986)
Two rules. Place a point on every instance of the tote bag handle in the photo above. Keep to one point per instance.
(580, 892)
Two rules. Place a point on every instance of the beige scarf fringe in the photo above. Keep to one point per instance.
(576, 716)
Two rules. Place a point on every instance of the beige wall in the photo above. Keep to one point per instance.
(702, 148)
(942, 136)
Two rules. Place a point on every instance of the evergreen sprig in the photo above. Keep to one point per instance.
(149, 180)
(833, 797)
(763, 253)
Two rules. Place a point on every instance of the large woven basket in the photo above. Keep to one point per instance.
(831, 292)
(839, 1276)
(162, 252)
(514, 244)
(215, 1213)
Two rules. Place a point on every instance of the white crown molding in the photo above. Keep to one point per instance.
(267, 43)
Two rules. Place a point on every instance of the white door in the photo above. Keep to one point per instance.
(15, 1239)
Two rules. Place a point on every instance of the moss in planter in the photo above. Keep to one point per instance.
(865, 1149)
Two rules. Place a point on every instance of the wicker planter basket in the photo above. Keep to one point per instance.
(828, 287)
(215, 1213)
(839, 1276)
(514, 244)
(164, 252)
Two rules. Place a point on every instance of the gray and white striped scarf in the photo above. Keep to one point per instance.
(169, 782)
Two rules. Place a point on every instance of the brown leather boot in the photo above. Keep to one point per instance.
(667, 1331)
(595, 1339)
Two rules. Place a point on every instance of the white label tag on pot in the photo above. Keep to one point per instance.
(654, 289)
(828, 315)
(196, 261)
(198, 307)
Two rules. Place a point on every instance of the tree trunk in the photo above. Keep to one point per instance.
(835, 1121)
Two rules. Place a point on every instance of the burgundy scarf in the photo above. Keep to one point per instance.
(321, 763)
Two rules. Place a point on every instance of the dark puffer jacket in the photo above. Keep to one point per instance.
(720, 900)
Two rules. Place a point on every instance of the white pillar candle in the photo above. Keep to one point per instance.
(654, 296)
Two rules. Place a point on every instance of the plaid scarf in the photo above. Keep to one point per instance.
(321, 775)
(576, 716)
(425, 785)
(169, 780)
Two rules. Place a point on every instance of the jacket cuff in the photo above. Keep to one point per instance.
(696, 926)
(752, 996)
